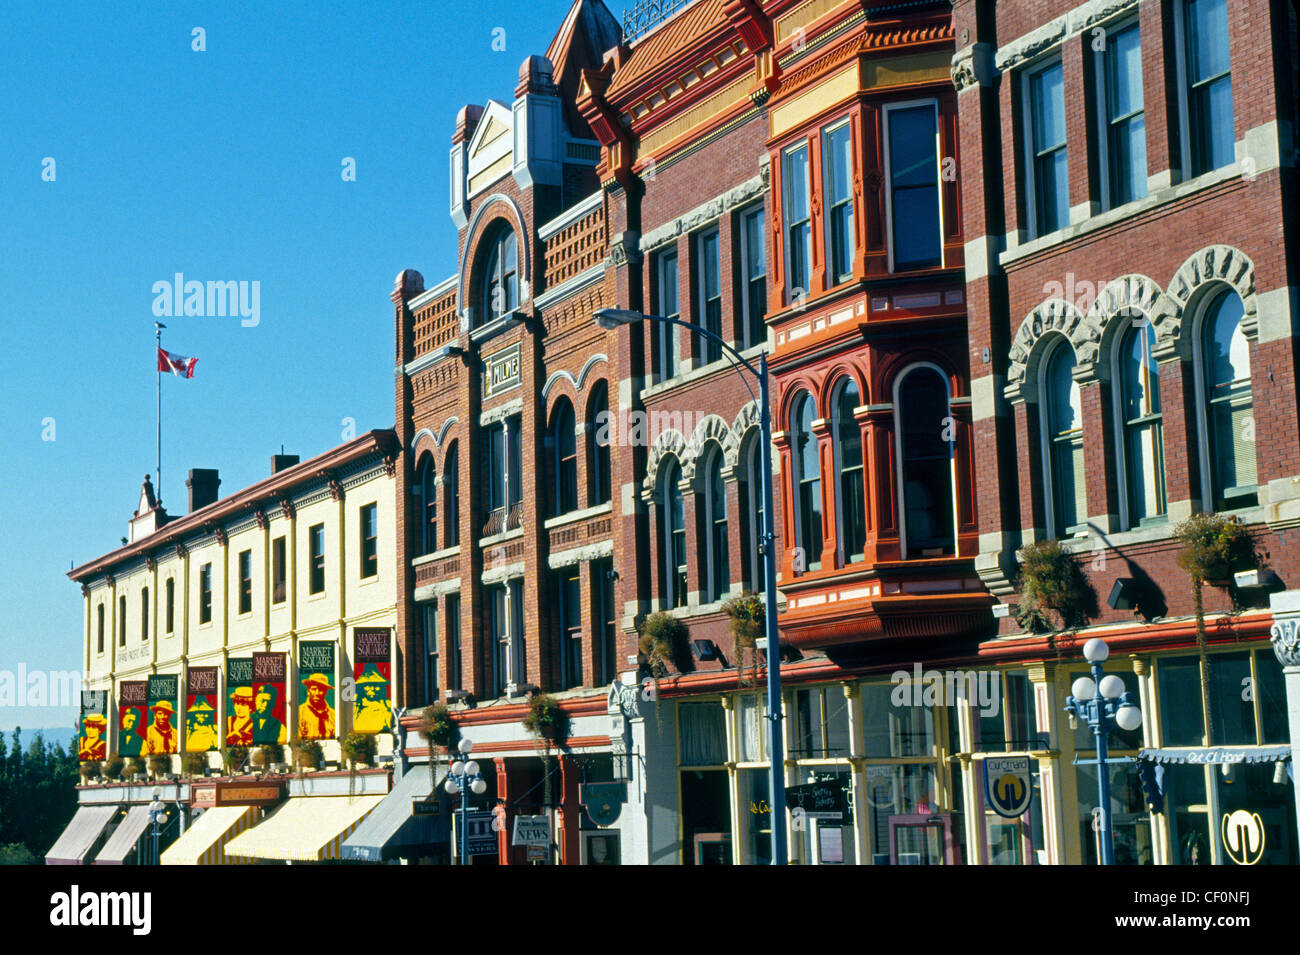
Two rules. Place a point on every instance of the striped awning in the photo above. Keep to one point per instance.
(80, 836)
(125, 837)
(304, 828)
(204, 842)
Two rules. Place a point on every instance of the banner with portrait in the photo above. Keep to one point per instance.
(132, 717)
(92, 727)
(163, 692)
(201, 710)
(268, 699)
(316, 691)
(239, 701)
(372, 669)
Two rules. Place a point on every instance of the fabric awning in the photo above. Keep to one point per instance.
(204, 842)
(1215, 755)
(304, 828)
(392, 830)
(124, 837)
(80, 836)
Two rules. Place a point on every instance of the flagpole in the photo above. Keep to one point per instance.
(158, 327)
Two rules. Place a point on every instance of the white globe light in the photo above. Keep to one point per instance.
(1096, 651)
(458, 768)
(465, 746)
(471, 768)
(1083, 689)
(1111, 687)
(452, 788)
(478, 787)
(1129, 717)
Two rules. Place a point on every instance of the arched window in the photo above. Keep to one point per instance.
(851, 512)
(564, 444)
(500, 273)
(451, 475)
(751, 506)
(598, 431)
(427, 485)
(673, 546)
(1141, 443)
(808, 482)
(925, 431)
(718, 565)
(1062, 416)
(1227, 406)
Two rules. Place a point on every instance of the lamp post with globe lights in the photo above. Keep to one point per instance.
(1103, 703)
(462, 779)
(157, 816)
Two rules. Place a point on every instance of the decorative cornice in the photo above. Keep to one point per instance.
(1285, 636)
(286, 508)
(259, 515)
(973, 66)
(182, 551)
(150, 563)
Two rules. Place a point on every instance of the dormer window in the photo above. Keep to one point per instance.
(500, 273)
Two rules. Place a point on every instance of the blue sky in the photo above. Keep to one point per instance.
(222, 165)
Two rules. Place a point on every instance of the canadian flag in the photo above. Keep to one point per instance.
(176, 364)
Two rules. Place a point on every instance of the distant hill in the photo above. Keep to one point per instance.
(54, 734)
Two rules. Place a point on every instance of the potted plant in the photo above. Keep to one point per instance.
(160, 765)
(748, 615)
(89, 771)
(272, 755)
(194, 764)
(358, 750)
(1050, 581)
(1213, 548)
(308, 754)
(545, 719)
(234, 757)
(114, 766)
(662, 643)
(130, 768)
(439, 731)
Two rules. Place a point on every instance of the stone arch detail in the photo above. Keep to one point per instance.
(712, 428)
(1128, 293)
(746, 419)
(669, 441)
(1212, 265)
(1054, 315)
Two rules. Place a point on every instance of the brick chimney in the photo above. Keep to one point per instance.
(281, 461)
(203, 484)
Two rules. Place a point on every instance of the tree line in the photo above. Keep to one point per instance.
(37, 797)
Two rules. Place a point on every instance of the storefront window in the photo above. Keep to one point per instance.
(1270, 692)
(1181, 720)
(702, 729)
(826, 841)
(821, 724)
(1189, 814)
(1129, 819)
(1246, 702)
(895, 730)
(1018, 841)
(1005, 715)
(1265, 799)
(1232, 706)
(706, 817)
(756, 816)
(896, 792)
(753, 729)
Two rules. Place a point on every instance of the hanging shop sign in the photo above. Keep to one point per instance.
(532, 831)
(820, 800)
(201, 710)
(603, 801)
(316, 711)
(268, 716)
(132, 717)
(163, 692)
(477, 831)
(1008, 786)
(1243, 836)
(372, 708)
(92, 729)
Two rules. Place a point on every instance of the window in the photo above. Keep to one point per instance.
(798, 222)
(171, 604)
(1048, 200)
(1205, 73)
(1123, 145)
(205, 594)
(427, 484)
(808, 475)
(496, 468)
(564, 444)
(673, 548)
(718, 573)
(708, 284)
(569, 585)
(666, 274)
(451, 478)
(316, 536)
(916, 229)
(837, 184)
(1142, 440)
(453, 641)
(430, 622)
(821, 727)
(925, 429)
(504, 620)
(369, 540)
(1227, 408)
(852, 512)
(751, 505)
(598, 431)
(99, 646)
(753, 258)
(1062, 417)
(246, 581)
(500, 274)
(277, 571)
(144, 614)
(605, 619)
(121, 621)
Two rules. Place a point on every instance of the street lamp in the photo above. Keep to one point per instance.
(157, 815)
(614, 317)
(1102, 701)
(463, 777)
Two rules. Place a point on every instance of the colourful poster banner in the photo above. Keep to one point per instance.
(316, 713)
(372, 708)
(92, 729)
(132, 717)
(268, 699)
(161, 738)
(201, 710)
(239, 701)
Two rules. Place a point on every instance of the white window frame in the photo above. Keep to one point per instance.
(754, 481)
(710, 555)
(796, 466)
(1027, 130)
(1184, 106)
(889, 177)
(1100, 67)
(899, 450)
(1202, 313)
(831, 280)
(1045, 438)
(669, 365)
(701, 296)
(745, 278)
(787, 292)
(666, 537)
(1120, 424)
(838, 464)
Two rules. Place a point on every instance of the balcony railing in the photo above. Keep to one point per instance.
(501, 520)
